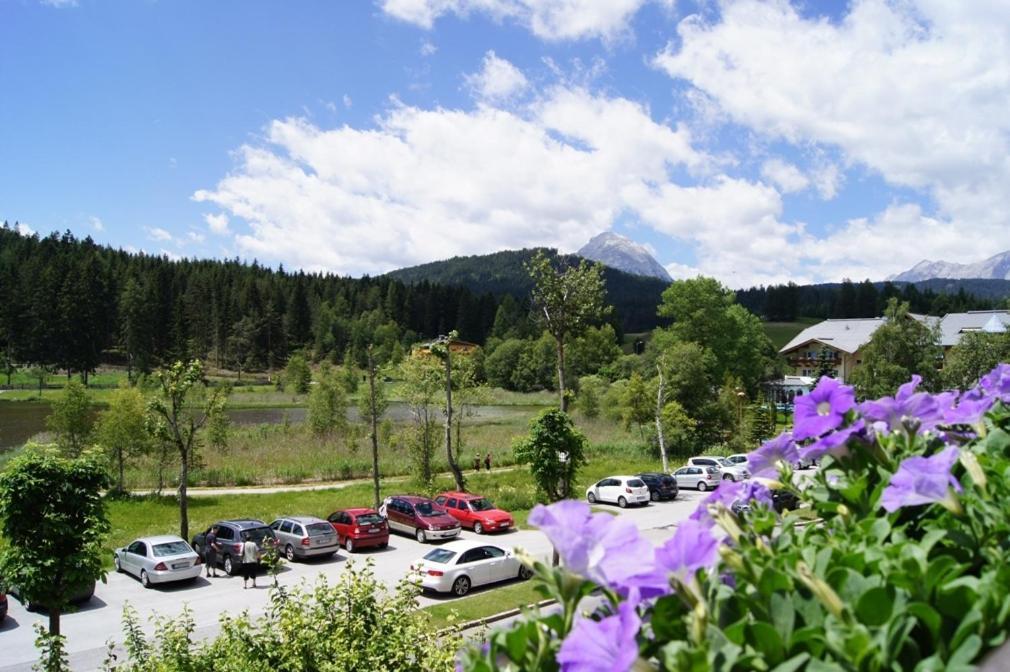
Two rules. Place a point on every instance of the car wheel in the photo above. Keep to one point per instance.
(349, 545)
(622, 502)
(420, 536)
(461, 586)
(525, 572)
(119, 568)
(654, 496)
(229, 567)
(289, 553)
(702, 487)
(591, 497)
(384, 544)
(145, 580)
(478, 528)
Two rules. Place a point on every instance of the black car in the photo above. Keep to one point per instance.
(79, 594)
(661, 486)
(3, 604)
(229, 539)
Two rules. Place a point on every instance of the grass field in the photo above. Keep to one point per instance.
(484, 602)
(781, 333)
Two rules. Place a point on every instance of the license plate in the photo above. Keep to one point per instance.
(180, 565)
(373, 530)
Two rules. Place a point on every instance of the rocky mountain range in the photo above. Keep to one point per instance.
(626, 255)
(996, 267)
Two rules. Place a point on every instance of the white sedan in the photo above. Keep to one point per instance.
(158, 560)
(459, 565)
(620, 490)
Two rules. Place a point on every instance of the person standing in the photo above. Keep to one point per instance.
(487, 462)
(476, 463)
(210, 552)
(250, 560)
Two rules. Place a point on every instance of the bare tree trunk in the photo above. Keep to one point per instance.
(54, 622)
(659, 419)
(561, 375)
(183, 498)
(374, 422)
(457, 474)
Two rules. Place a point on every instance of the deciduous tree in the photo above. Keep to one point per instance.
(899, 348)
(121, 430)
(72, 418)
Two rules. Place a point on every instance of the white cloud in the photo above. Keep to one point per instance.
(428, 48)
(430, 184)
(217, 223)
(787, 177)
(347, 101)
(915, 90)
(59, 4)
(682, 271)
(497, 80)
(547, 19)
(158, 234)
(96, 223)
(24, 229)
(195, 236)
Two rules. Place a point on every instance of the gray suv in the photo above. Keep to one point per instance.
(229, 539)
(304, 537)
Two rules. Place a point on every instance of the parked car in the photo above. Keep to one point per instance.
(420, 517)
(79, 594)
(359, 528)
(460, 565)
(229, 538)
(161, 559)
(620, 490)
(3, 603)
(661, 486)
(300, 537)
(739, 459)
(729, 471)
(702, 478)
(475, 512)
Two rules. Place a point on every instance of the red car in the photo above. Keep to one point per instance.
(475, 512)
(359, 528)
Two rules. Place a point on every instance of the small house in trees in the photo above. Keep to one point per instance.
(955, 325)
(830, 347)
(456, 347)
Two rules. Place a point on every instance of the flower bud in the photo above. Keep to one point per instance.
(821, 590)
(970, 463)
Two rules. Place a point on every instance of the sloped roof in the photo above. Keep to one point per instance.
(953, 325)
(845, 335)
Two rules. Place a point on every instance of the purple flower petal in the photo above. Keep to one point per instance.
(823, 409)
(763, 462)
(833, 443)
(607, 645)
(921, 480)
(996, 383)
(729, 493)
(692, 547)
(568, 524)
(907, 407)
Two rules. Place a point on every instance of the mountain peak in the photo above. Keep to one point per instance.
(996, 267)
(624, 254)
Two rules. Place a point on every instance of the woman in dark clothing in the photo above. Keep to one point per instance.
(210, 552)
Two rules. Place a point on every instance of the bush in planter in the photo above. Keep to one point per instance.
(896, 558)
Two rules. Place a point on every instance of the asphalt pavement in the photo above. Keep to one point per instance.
(98, 622)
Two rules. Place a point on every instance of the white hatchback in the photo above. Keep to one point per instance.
(702, 478)
(729, 470)
(459, 565)
(620, 490)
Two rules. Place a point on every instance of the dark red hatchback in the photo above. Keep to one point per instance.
(359, 528)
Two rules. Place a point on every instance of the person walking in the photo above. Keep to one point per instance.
(487, 462)
(476, 463)
(250, 560)
(210, 552)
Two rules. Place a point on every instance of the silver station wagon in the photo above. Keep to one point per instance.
(158, 560)
(301, 537)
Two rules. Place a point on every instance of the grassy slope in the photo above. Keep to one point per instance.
(781, 333)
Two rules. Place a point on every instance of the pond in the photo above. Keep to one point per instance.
(20, 421)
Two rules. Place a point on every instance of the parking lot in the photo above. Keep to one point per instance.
(98, 621)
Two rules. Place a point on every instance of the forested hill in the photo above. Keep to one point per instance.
(634, 297)
(868, 299)
(67, 303)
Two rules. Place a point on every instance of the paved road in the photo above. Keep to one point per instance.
(90, 629)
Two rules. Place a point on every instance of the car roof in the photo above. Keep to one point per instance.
(460, 495)
(357, 511)
(412, 499)
(463, 545)
(159, 539)
(243, 523)
(303, 519)
(657, 474)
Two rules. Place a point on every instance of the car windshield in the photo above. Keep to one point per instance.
(370, 519)
(666, 480)
(635, 483)
(724, 462)
(171, 548)
(440, 555)
(482, 504)
(425, 509)
(316, 529)
(258, 534)
(712, 470)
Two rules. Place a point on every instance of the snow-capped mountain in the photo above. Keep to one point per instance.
(623, 254)
(996, 267)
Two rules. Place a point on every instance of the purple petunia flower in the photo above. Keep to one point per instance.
(692, 547)
(889, 414)
(823, 409)
(833, 443)
(763, 462)
(964, 409)
(599, 546)
(921, 480)
(729, 493)
(607, 645)
(996, 383)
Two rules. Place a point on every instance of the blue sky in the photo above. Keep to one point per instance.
(757, 142)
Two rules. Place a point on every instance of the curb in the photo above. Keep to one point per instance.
(494, 618)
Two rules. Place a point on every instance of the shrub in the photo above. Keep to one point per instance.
(895, 556)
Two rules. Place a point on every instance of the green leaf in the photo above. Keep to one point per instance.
(965, 653)
(765, 639)
(793, 664)
(875, 606)
(929, 617)
(783, 616)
